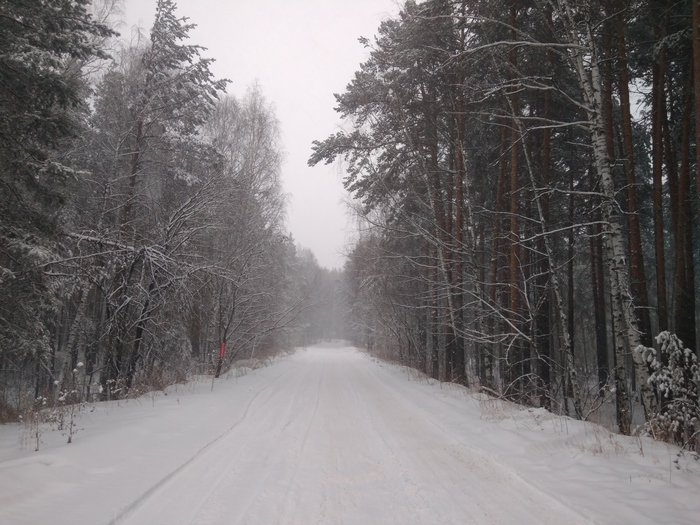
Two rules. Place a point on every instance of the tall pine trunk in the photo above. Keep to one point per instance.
(684, 309)
(638, 278)
(696, 90)
(657, 151)
(542, 323)
(515, 370)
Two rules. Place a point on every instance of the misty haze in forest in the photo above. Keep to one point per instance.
(522, 179)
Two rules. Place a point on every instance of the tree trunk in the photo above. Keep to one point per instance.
(570, 327)
(458, 363)
(638, 279)
(542, 324)
(598, 270)
(514, 234)
(136, 354)
(435, 354)
(496, 292)
(684, 309)
(696, 86)
(589, 77)
(658, 93)
(598, 285)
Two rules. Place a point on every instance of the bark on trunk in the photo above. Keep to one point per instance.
(685, 278)
(458, 363)
(696, 85)
(657, 175)
(637, 272)
(542, 324)
(514, 235)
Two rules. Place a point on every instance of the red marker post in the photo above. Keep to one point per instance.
(222, 352)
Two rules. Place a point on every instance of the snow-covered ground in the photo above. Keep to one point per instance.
(328, 436)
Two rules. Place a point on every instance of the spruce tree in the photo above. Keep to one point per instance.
(40, 91)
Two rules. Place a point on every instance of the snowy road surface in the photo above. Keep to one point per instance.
(325, 436)
(327, 441)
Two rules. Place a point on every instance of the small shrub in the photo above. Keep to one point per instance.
(676, 378)
(32, 419)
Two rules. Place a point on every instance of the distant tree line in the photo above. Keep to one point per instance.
(142, 228)
(526, 173)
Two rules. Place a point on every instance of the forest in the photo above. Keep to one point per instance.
(524, 176)
(142, 234)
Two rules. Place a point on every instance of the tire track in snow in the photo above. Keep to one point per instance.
(302, 449)
(130, 509)
(211, 512)
(382, 416)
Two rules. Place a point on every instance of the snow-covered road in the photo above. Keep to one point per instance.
(325, 436)
(329, 441)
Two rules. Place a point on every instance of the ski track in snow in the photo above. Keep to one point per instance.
(331, 436)
(332, 443)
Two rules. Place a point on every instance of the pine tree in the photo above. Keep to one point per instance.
(40, 98)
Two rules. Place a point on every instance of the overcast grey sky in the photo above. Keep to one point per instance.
(300, 52)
